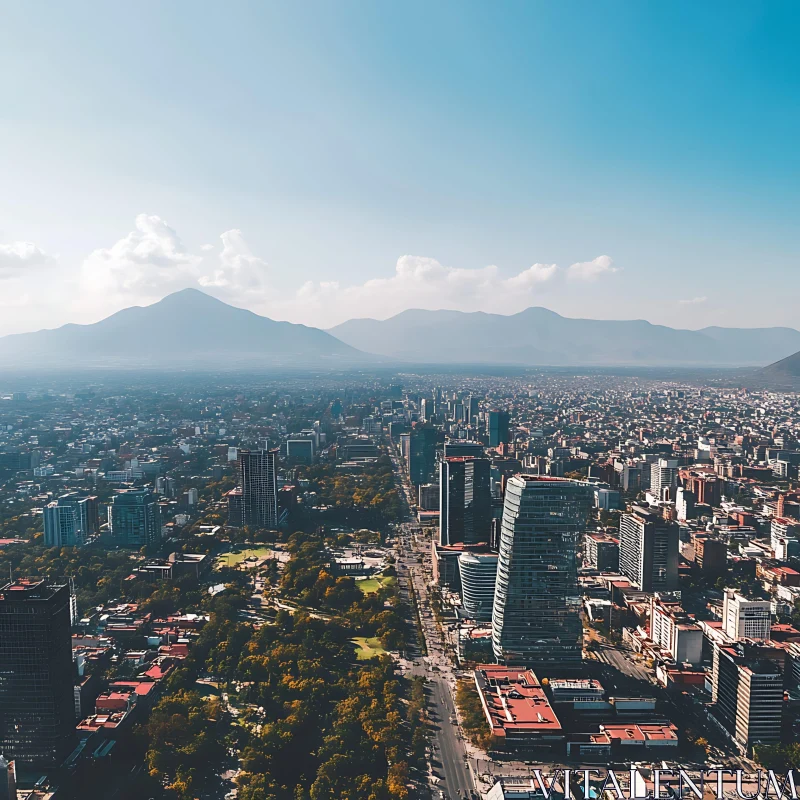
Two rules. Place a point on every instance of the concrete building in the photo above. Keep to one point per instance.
(745, 619)
(258, 482)
(648, 553)
(664, 478)
(674, 630)
(748, 697)
(602, 552)
(70, 520)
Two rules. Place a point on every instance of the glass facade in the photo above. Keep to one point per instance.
(535, 618)
(37, 711)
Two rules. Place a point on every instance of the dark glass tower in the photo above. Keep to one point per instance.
(136, 518)
(37, 713)
(465, 501)
(535, 616)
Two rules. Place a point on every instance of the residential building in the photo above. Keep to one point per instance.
(648, 553)
(258, 482)
(37, 716)
(535, 615)
(135, 518)
(70, 521)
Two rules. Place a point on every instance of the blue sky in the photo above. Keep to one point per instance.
(325, 160)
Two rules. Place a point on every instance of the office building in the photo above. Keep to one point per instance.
(428, 497)
(745, 619)
(70, 521)
(421, 455)
(300, 450)
(648, 550)
(478, 577)
(465, 500)
(37, 712)
(455, 448)
(664, 478)
(497, 427)
(258, 482)
(711, 556)
(535, 616)
(135, 518)
(747, 693)
(602, 552)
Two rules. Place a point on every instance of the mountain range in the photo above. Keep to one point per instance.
(187, 329)
(192, 330)
(539, 337)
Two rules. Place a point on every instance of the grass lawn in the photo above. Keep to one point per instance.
(236, 557)
(367, 647)
(370, 585)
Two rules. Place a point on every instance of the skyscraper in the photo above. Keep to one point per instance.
(465, 500)
(535, 616)
(478, 578)
(648, 550)
(258, 479)
(37, 712)
(422, 454)
(136, 518)
(70, 520)
(497, 426)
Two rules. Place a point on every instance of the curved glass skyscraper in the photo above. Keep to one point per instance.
(535, 618)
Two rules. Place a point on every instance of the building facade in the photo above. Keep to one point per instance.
(70, 520)
(37, 712)
(745, 619)
(258, 481)
(135, 518)
(535, 615)
(478, 577)
(648, 550)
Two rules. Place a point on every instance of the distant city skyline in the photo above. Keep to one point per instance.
(322, 162)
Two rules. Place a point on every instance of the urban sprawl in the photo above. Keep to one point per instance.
(400, 585)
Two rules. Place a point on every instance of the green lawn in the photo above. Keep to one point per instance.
(367, 647)
(236, 557)
(370, 585)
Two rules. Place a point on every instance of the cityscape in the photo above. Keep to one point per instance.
(416, 583)
(399, 401)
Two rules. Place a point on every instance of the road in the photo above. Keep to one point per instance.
(449, 763)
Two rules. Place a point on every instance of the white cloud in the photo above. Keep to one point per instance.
(152, 260)
(237, 270)
(693, 301)
(19, 256)
(421, 282)
(148, 263)
(592, 270)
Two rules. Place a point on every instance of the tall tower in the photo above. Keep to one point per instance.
(648, 550)
(465, 500)
(259, 481)
(70, 520)
(497, 426)
(535, 615)
(37, 712)
(136, 518)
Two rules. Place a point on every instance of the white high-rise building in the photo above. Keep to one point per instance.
(664, 475)
(745, 619)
